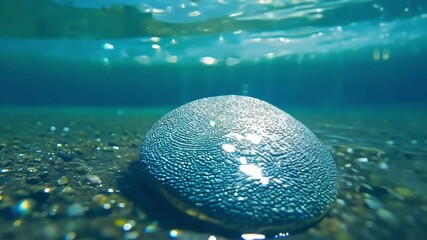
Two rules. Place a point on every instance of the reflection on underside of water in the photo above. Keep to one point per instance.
(218, 32)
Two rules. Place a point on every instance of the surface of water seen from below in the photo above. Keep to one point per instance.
(214, 32)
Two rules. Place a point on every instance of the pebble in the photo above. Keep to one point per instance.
(362, 160)
(405, 192)
(62, 181)
(372, 202)
(76, 210)
(94, 179)
(386, 215)
(100, 199)
(152, 227)
(68, 190)
(53, 210)
(340, 202)
(383, 165)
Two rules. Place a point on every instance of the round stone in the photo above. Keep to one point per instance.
(241, 163)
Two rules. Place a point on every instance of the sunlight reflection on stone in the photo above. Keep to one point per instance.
(251, 170)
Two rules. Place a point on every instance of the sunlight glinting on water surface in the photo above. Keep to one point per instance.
(234, 32)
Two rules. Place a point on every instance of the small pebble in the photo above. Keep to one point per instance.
(76, 210)
(405, 192)
(362, 160)
(340, 202)
(53, 210)
(386, 215)
(67, 190)
(372, 202)
(94, 179)
(383, 165)
(62, 181)
(100, 199)
(152, 227)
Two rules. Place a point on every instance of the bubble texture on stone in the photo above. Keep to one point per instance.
(241, 163)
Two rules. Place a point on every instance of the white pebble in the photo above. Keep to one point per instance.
(94, 179)
(362, 160)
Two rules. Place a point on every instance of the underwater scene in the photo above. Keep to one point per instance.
(213, 119)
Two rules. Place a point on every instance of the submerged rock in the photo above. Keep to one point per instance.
(241, 163)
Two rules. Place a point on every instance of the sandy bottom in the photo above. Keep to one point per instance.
(73, 174)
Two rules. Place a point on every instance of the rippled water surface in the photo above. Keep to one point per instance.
(219, 32)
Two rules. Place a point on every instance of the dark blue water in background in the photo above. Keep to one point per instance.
(316, 53)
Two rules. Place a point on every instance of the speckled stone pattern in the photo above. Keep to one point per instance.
(241, 162)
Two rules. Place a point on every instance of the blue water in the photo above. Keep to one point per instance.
(298, 52)
(353, 71)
